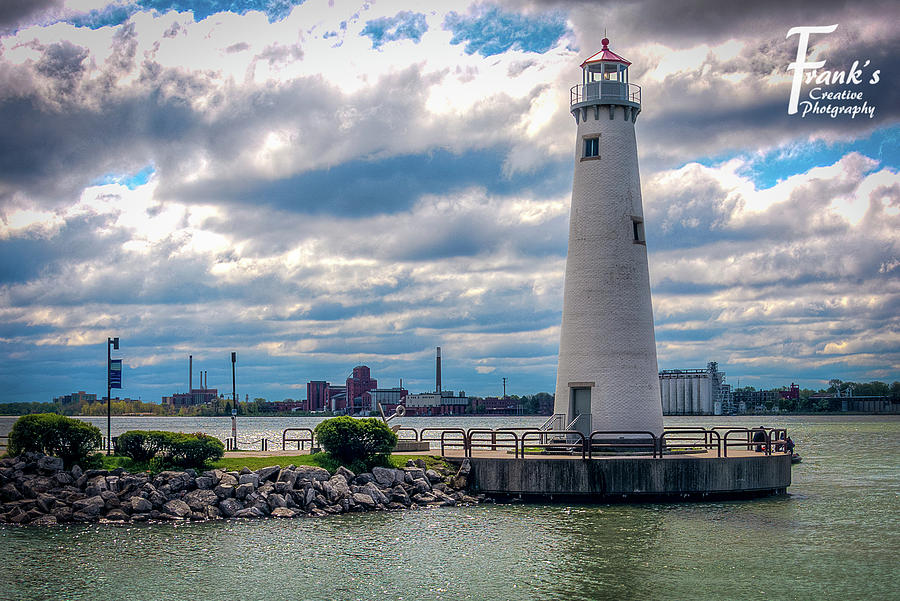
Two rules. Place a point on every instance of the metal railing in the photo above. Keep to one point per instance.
(652, 443)
(554, 444)
(557, 421)
(749, 440)
(445, 443)
(690, 438)
(604, 90)
(415, 432)
(301, 441)
(508, 440)
(234, 444)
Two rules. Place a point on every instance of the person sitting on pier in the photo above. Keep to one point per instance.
(760, 436)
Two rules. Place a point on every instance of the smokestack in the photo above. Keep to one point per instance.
(437, 370)
(190, 373)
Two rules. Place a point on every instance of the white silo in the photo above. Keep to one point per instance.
(607, 378)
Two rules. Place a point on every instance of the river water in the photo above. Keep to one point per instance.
(835, 536)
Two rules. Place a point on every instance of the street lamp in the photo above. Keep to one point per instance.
(113, 380)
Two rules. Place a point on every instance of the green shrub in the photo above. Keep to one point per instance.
(170, 448)
(141, 445)
(360, 441)
(70, 439)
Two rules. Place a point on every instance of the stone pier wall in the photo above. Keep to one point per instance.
(675, 477)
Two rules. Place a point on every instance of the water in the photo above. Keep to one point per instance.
(834, 537)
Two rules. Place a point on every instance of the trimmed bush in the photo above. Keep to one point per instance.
(175, 448)
(351, 440)
(70, 439)
(140, 445)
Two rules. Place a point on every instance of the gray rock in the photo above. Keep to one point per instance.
(287, 479)
(245, 470)
(117, 515)
(464, 468)
(339, 488)
(364, 478)
(204, 483)
(413, 473)
(244, 489)
(283, 512)
(62, 513)
(268, 473)
(46, 520)
(94, 473)
(385, 477)
(32, 487)
(157, 498)
(399, 494)
(224, 491)
(213, 513)
(111, 499)
(9, 492)
(199, 499)
(250, 478)
(140, 505)
(433, 476)
(250, 512)
(347, 474)
(228, 479)
(422, 485)
(275, 500)
(310, 496)
(46, 502)
(363, 499)
(229, 507)
(50, 464)
(420, 463)
(92, 506)
(310, 472)
(177, 507)
(424, 498)
(373, 491)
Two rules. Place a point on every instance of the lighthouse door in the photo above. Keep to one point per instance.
(580, 410)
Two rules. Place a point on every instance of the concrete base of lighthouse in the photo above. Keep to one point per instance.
(633, 479)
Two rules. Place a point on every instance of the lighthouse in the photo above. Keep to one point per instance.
(607, 377)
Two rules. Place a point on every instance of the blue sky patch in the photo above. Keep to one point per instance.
(116, 14)
(493, 31)
(130, 181)
(404, 25)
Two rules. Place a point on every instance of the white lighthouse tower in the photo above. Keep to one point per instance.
(607, 377)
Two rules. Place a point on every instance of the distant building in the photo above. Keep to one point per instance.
(695, 391)
(317, 395)
(389, 398)
(76, 398)
(197, 396)
(433, 403)
(360, 382)
(500, 406)
(754, 400)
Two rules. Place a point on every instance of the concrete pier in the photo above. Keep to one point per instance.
(633, 478)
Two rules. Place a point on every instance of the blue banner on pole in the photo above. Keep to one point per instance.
(115, 373)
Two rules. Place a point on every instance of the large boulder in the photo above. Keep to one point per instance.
(229, 507)
(199, 499)
(268, 473)
(363, 500)
(387, 477)
(244, 489)
(249, 479)
(140, 505)
(250, 512)
(92, 506)
(337, 488)
(177, 507)
(373, 491)
(283, 512)
(50, 465)
(309, 472)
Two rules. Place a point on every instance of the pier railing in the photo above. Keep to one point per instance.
(523, 441)
(303, 436)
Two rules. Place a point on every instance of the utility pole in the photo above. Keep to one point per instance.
(504, 388)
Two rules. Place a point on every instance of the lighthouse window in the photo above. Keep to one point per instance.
(637, 225)
(592, 147)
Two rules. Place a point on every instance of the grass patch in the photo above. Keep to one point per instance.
(228, 464)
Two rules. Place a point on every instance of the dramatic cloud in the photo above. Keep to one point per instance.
(318, 184)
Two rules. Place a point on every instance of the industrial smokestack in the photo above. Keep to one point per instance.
(437, 371)
(190, 373)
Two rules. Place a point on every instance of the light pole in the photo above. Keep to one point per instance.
(234, 400)
(112, 381)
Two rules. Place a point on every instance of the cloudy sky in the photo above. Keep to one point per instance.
(321, 184)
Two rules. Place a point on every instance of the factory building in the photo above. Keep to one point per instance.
(694, 391)
(434, 403)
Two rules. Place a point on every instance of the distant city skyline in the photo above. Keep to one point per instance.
(317, 187)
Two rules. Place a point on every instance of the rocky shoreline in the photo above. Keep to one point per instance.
(36, 489)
